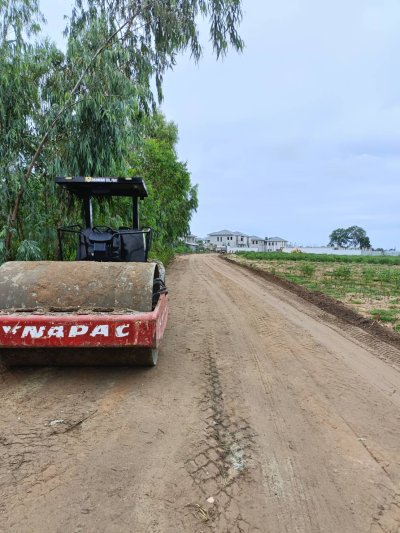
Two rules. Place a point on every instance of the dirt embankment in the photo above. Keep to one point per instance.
(264, 414)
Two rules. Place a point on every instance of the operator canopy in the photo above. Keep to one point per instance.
(103, 243)
(95, 186)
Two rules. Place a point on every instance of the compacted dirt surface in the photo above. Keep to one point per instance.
(264, 414)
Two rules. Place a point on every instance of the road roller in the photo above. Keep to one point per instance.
(102, 303)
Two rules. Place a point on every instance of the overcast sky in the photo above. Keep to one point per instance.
(300, 134)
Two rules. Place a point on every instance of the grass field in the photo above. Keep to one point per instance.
(322, 258)
(368, 284)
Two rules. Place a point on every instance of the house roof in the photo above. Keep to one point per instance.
(222, 232)
(275, 239)
(227, 232)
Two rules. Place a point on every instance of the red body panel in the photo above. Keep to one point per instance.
(84, 331)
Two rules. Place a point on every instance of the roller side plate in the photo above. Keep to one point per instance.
(83, 335)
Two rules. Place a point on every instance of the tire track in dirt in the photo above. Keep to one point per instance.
(222, 465)
(279, 473)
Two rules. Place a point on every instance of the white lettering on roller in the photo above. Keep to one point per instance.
(56, 331)
(78, 330)
(33, 332)
(14, 330)
(119, 330)
(100, 330)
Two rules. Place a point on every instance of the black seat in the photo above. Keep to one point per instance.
(133, 245)
(106, 244)
(99, 244)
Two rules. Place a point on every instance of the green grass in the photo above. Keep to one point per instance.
(322, 258)
(369, 284)
(385, 315)
(342, 272)
(307, 270)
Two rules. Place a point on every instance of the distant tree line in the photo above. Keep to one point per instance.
(91, 109)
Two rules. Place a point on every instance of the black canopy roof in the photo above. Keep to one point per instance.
(107, 186)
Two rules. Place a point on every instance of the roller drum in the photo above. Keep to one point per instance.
(67, 285)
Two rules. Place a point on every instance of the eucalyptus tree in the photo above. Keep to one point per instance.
(23, 64)
(172, 197)
(91, 96)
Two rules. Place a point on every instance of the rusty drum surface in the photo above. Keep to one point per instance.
(76, 284)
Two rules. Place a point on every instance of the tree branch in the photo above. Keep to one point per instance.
(44, 139)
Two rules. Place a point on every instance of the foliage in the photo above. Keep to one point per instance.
(28, 251)
(84, 111)
(339, 237)
(354, 236)
(182, 248)
(342, 272)
(322, 258)
(172, 198)
(307, 269)
(24, 67)
(18, 19)
(385, 315)
(164, 254)
(155, 31)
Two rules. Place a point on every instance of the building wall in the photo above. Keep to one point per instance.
(242, 241)
(217, 240)
(332, 251)
(257, 245)
(229, 240)
(236, 249)
(275, 246)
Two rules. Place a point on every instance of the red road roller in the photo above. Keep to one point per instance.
(107, 306)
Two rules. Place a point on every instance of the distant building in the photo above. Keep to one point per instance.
(275, 244)
(190, 241)
(232, 241)
(228, 239)
(257, 242)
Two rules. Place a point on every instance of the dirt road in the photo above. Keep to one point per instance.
(286, 418)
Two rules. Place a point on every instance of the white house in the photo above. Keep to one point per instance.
(225, 239)
(275, 244)
(257, 242)
(190, 241)
(232, 241)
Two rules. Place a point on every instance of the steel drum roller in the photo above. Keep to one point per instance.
(77, 284)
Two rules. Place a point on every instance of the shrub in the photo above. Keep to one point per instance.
(342, 272)
(307, 269)
(368, 274)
